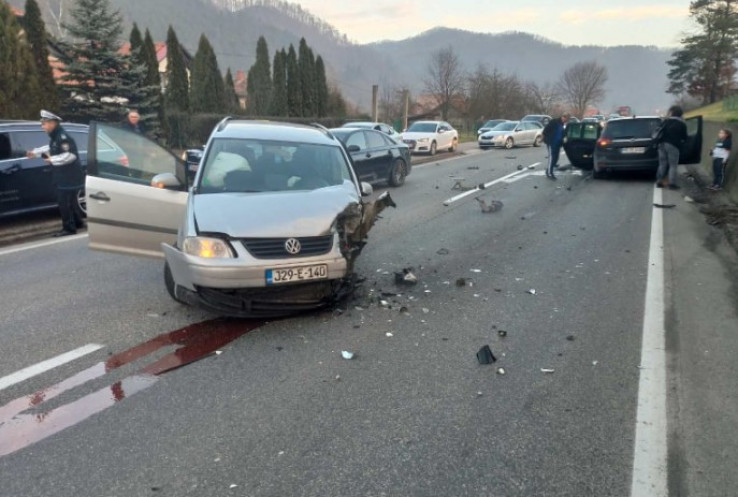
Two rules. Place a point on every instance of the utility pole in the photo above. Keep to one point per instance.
(375, 103)
(406, 107)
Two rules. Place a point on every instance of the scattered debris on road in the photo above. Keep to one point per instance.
(406, 277)
(473, 168)
(443, 251)
(520, 167)
(547, 371)
(688, 199)
(348, 355)
(502, 333)
(485, 355)
(461, 282)
(571, 338)
(665, 206)
(532, 291)
(501, 371)
(492, 206)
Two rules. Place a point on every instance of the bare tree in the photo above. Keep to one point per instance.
(582, 85)
(57, 12)
(545, 97)
(445, 78)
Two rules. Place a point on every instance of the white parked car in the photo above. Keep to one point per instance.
(430, 136)
(512, 134)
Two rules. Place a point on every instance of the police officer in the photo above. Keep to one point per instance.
(61, 153)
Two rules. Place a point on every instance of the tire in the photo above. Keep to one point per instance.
(509, 143)
(537, 141)
(82, 201)
(433, 148)
(454, 144)
(398, 173)
(169, 283)
(597, 174)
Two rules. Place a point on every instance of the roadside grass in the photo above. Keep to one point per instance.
(467, 136)
(723, 111)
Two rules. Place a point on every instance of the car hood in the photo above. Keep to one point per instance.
(272, 214)
(491, 134)
(417, 135)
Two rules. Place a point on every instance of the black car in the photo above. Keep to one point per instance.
(26, 184)
(375, 156)
(625, 144)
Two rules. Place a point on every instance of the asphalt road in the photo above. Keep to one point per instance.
(278, 411)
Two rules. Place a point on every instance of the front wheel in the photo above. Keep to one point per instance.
(597, 174)
(82, 201)
(433, 148)
(169, 283)
(537, 142)
(398, 173)
(454, 144)
(509, 143)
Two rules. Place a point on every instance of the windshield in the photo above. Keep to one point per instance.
(358, 125)
(422, 128)
(236, 165)
(622, 129)
(505, 126)
(532, 118)
(492, 124)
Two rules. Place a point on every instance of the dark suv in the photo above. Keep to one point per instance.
(25, 184)
(625, 144)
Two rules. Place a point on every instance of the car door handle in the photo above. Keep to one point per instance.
(100, 196)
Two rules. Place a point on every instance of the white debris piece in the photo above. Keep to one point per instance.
(389, 334)
(532, 291)
(476, 270)
(426, 310)
(218, 352)
(347, 355)
(233, 485)
(547, 371)
(500, 371)
(688, 199)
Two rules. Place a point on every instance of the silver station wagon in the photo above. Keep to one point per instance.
(270, 224)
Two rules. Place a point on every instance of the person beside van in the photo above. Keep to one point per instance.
(670, 140)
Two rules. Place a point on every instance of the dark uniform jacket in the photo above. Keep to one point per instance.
(675, 132)
(550, 131)
(66, 167)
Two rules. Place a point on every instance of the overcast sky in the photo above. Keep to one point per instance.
(572, 22)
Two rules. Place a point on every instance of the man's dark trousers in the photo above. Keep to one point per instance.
(71, 213)
(554, 150)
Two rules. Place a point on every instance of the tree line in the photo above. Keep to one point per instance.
(99, 82)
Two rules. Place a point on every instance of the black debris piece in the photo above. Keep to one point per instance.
(492, 206)
(502, 333)
(485, 355)
(473, 168)
(520, 167)
(461, 282)
(280, 349)
(443, 251)
(571, 338)
(406, 277)
(665, 206)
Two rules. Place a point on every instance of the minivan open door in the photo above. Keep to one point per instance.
(580, 140)
(126, 212)
(691, 152)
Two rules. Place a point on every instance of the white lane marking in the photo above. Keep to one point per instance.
(451, 200)
(650, 451)
(46, 243)
(49, 364)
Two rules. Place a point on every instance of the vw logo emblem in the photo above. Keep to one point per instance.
(292, 246)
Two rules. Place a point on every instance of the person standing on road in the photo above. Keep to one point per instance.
(672, 138)
(133, 122)
(720, 155)
(553, 137)
(68, 177)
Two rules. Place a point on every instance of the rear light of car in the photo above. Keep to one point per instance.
(604, 142)
(124, 160)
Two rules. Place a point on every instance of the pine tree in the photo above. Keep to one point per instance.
(278, 106)
(260, 81)
(146, 95)
(294, 85)
(321, 86)
(136, 42)
(48, 94)
(306, 63)
(95, 82)
(178, 86)
(208, 92)
(153, 80)
(18, 80)
(232, 104)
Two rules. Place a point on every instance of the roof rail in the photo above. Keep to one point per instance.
(223, 122)
(323, 129)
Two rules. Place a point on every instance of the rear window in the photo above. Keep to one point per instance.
(623, 129)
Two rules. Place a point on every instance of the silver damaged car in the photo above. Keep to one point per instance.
(270, 225)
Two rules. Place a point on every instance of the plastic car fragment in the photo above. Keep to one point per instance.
(485, 355)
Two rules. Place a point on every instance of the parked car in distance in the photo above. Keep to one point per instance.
(625, 144)
(489, 125)
(539, 118)
(265, 230)
(26, 184)
(375, 156)
(511, 134)
(384, 128)
(431, 136)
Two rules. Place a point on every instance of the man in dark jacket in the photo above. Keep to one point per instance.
(553, 137)
(68, 177)
(672, 140)
(133, 122)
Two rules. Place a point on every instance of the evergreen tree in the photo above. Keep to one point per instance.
(306, 63)
(232, 105)
(153, 80)
(98, 79)
(260, 81)
(178, 86)
(136, 45)
(48, 94)
(208, 92)
(336, 103)
(294, 85)
(279, 94)
(18, 81)
(321, 86)
(146, 98)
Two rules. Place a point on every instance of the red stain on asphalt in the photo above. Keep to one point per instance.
(196, 341)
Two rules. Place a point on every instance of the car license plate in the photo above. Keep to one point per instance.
(300, 273)
(633, 150)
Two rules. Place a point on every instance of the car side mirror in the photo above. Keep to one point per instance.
(442, 130)
(366, 189)
(353, 148)
(165, 181)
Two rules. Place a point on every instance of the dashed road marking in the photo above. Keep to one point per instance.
(451, 200)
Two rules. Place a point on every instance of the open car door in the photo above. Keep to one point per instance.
(691, 152)
(126, 211)
(580, 140)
